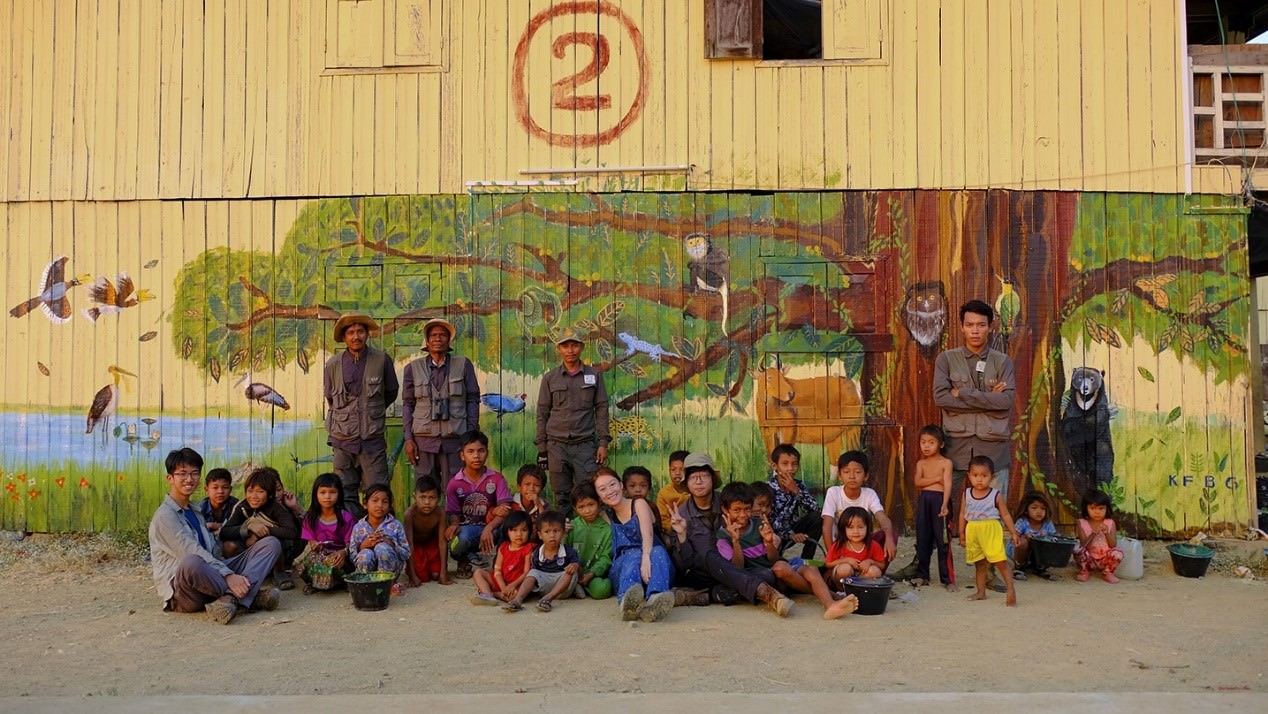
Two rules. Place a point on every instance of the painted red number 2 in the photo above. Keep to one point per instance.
(564, 92)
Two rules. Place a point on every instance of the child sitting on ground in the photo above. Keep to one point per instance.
(637, 482)
(529, 482)
(933, 482)
(853, 552)
(675, 493)
(378, 541)
(752, 544)
(470, 495)
(1032, 520)
(219, 503)
(980, 530)
(591, 535)
(510, 566)
(552, 568)
(326, 529)
(425, 533)
(261, 515)
(763, 496)
(1098, 538)
(852, 471)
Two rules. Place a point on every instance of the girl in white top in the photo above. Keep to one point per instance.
(852, 470)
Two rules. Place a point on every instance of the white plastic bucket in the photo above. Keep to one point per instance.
(1133, 565)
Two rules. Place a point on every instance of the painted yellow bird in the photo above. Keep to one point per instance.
(112, 299)
(1007, 306)
(53, 289)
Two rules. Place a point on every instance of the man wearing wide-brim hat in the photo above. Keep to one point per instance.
(572, 420)
(440, 402)
(359, 384)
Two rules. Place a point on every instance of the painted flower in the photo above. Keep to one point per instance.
(14, 497)
(33, 494)
(10, 487)
(60, 481)
(83, 482)
(121, 478)
(30, 482)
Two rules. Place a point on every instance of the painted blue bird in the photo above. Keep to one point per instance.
(503, 404)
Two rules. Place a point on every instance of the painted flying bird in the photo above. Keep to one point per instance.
(52, 298)
(112, 299)
(106, 401)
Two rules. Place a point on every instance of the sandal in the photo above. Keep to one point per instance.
(918, 582)
(463, 571)
(512, 606)
(544, 605)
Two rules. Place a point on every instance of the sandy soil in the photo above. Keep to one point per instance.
(80, 617)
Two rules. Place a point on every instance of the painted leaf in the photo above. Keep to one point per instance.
(1146, 374)
(1119, 303)
(739, 408)
(633, 369)
(187, 347)
(1147, 444)
(147, 336)
(1177, 464)
(213, 367)
(1171, 516)
(668, 266)
(43, 368)
(607, 316)
(717, 389)
(1171, 417)
(584, 326)
(1221, 463)
(604, 347)
(1187, 343)
(726, 407)
(683, 347)
(1196, 302)
(301, 358)
(1168, 336)
(151, 263)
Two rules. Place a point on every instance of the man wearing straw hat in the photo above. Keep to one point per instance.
(572, 420)
(359, 384)
(440, 403)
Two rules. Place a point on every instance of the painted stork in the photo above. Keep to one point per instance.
(503, 404)
(52, 298)
(106, 402)
(112, 299)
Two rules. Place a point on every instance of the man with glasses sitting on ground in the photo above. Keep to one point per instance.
(189, 573)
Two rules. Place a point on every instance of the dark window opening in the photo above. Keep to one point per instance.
(792, 29)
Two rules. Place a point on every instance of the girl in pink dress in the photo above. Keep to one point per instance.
(1098, 539)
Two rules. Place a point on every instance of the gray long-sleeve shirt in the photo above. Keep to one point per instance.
(572, 408)
(172, 538)
(978, 420)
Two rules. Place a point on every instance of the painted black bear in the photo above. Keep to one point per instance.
(1085, 423)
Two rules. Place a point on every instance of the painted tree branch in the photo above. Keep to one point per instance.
(712, 355)
(1126, 274)
(635, 222)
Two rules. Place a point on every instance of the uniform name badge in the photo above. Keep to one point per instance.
(981, 366)
(588, 379)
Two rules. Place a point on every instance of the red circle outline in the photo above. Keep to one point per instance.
(520, 94)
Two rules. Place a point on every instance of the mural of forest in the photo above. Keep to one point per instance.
(723, 322)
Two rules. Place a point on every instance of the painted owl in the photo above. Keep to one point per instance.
(925, 314)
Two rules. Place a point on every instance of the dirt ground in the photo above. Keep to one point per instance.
(80, 617)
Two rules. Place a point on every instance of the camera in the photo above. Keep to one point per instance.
(440, 410)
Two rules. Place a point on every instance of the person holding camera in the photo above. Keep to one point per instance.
(359, 384)
(441, 402)
(572, 421)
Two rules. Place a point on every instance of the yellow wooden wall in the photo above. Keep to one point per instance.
(133, 100)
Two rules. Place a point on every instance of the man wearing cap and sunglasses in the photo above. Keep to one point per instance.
(359, 384)
(572, 420)
(441, 402)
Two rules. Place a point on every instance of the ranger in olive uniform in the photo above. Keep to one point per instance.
(572, 420)
(359, 384)
(440, 403)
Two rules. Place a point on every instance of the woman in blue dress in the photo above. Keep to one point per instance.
(641, 568)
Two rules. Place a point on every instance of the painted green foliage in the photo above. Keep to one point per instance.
(1185, 304)
(611, 267)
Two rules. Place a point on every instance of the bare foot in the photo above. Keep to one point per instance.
(841, 608)
(951, 587)
(1011, 600)
(979, 595)
(1110, 578)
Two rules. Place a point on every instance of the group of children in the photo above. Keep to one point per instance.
(512, 545)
